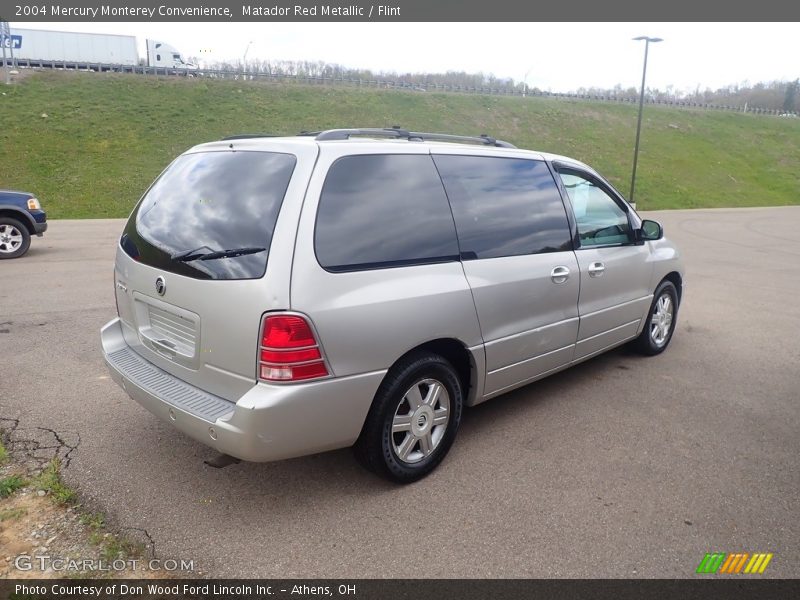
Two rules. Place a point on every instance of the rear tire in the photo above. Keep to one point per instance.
(15, 239)
(661, 319)
(413, 420)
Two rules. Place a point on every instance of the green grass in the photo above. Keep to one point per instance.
(106, 136)
(10, 484)
(3, 452)
(12, 514)
(112, 546)
(96, 523)
(120, 547)
(49, 480)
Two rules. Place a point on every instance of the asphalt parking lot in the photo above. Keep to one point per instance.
(621, 467)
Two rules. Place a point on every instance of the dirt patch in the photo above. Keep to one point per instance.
(45, 532)
(34, 531)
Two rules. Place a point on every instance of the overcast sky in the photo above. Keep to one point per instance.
(555, 56)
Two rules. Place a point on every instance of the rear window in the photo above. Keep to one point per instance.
(211, 215)
(380, 211)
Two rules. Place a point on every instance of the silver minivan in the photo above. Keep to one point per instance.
(281, 296)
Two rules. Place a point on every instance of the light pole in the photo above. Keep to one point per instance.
(244, 58)
(5, 38)
(647, 41)
(525, 83)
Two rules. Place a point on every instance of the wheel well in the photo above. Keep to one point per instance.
(675, 278)
(457, 355)
(19, 216)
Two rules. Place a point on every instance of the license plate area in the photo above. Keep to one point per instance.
(170, 331)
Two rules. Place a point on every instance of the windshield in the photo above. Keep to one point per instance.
(222, 205)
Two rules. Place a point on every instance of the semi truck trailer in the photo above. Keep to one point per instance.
(95, 51)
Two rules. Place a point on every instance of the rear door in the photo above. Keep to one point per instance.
(516, 251)
(615, 271)
(376, 265)
(204, 254)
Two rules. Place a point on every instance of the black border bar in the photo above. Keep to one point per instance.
(702, 587)
(398, 11)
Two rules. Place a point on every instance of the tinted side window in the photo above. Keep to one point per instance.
(382, 211)
(504, 206)
(601, 222)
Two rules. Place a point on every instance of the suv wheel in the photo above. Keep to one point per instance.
(661, 321)
(14, 238)
(413, 420)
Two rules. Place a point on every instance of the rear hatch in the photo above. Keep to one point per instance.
(194, 270)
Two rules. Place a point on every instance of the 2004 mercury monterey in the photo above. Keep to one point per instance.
(280, 296)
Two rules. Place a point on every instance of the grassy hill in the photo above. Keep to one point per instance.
(105, 137)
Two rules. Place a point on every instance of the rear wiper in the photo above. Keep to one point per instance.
(188, 254)
(194, 255)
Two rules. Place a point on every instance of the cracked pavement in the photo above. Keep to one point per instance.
(34, 445)
(51, 536)
(620, 467)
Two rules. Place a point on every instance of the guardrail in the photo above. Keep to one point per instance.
(383, 84)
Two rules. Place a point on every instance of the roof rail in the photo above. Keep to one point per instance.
(398, 133)
(244, 136)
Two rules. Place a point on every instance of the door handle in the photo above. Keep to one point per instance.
(559, 274)
(596, 269)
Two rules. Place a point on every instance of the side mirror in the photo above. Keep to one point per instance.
(651, 230)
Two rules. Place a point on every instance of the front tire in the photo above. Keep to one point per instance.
(15, 239)
(413, 420)
(661, 320)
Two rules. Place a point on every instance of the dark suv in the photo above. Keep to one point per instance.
(21, 216)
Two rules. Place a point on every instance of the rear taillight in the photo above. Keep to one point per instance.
(289, 351)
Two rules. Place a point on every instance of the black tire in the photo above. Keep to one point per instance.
(653, 339)
(12, 227)
(377, 446)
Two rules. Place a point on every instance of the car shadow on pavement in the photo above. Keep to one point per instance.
(294, 484)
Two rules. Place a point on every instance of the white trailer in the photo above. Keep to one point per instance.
(83, 50)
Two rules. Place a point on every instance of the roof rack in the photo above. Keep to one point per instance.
(398, 133)
(244, 136)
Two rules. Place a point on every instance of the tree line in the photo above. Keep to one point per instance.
(773, 95)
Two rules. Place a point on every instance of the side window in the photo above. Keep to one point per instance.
(504, 206)
(383, 211)
(601, 221)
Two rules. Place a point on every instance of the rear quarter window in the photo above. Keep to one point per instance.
(387, 210)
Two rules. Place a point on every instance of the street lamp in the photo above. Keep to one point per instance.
(244, 58)
(525, 82)
(647, 41)
(5, 38)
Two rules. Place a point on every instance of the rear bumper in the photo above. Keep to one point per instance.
(269, 422)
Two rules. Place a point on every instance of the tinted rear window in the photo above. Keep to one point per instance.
(383, 211)
(211, 202)
(504, 206)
